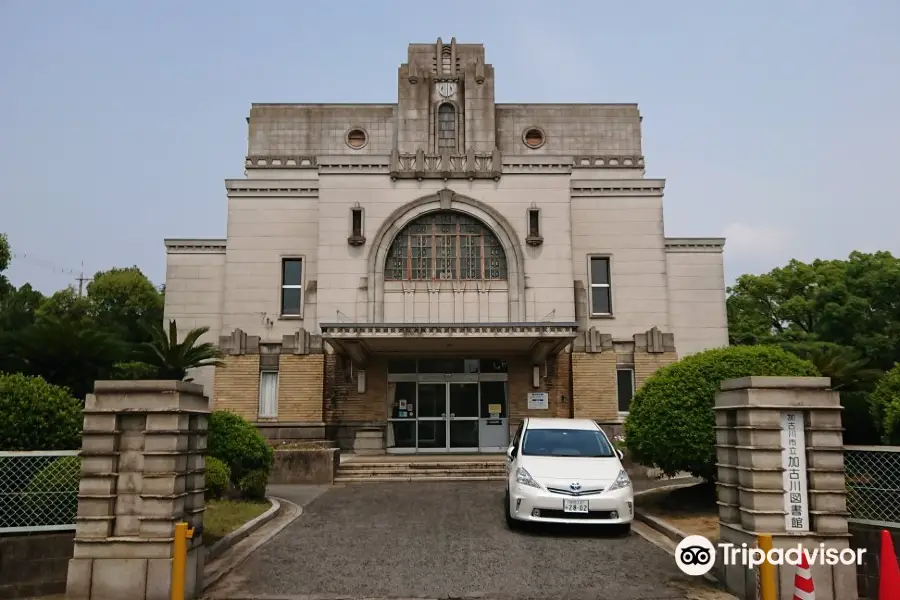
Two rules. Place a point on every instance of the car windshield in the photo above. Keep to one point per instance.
(566, 442)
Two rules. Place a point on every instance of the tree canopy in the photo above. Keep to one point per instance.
(852, 303)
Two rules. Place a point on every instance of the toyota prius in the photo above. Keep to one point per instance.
(567, 471)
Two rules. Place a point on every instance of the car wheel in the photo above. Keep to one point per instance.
(511, 523)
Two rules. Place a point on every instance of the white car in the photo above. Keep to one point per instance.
(567, 471)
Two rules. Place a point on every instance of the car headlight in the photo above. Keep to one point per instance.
(622, 481)
(525, 478)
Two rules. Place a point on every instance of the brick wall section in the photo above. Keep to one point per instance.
(300, 388)
(646, 364)
(594, 386)
(556, 384)
(236, 386)
(343, 403)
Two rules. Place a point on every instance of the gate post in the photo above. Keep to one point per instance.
(142, 472)
(780, 464)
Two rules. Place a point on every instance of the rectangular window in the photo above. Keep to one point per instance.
(534, 223)
(601, 294)
(624, 388)
(356, 229)
(268, 395)
(292, 286)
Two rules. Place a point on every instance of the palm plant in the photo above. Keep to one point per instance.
(170, 359)
(847, 370)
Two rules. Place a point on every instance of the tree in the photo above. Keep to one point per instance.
(171, 359)
(885, 405)
(851, 303)
(848, 371)
(5, 257)
(671, 424)
(124, 299)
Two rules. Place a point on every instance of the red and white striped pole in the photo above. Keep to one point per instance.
(804, 589)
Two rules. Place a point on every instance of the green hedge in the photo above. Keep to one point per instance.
(237, 443)
(885, 406)
(51, 497)
(671, 422)
(35, 415)
(218, 478)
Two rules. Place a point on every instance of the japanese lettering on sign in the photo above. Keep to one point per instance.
(793, 460)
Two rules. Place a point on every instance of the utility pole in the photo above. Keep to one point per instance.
(81, 279)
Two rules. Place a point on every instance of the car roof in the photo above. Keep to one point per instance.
(546, 423)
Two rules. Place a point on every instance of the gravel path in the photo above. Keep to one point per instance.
(441, 540)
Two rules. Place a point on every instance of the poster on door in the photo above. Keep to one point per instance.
(538, 400)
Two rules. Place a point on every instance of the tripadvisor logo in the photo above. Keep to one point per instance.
(696, 555)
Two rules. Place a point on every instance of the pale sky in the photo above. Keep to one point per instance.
(776, 124)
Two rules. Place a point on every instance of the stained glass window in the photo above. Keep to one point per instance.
(446, 246)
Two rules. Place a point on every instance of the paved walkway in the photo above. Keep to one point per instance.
(441, 540)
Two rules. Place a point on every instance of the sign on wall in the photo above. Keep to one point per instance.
(538, 400)
(793, 460)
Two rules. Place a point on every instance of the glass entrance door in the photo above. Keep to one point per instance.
(463, 422)
(432, 410)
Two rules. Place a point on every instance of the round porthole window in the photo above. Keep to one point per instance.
(357, 138)
(533, 137)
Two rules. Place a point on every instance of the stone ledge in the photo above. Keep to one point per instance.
(143, 386)
(243, 531)
(796, 383)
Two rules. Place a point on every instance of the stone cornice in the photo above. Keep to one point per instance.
(422, 165)
(617, 187)
(281, 162)
(713, 245)
(194, 246)
(610, 161)
(271, 187)
(443, 330)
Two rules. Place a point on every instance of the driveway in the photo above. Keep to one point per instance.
(444, 540)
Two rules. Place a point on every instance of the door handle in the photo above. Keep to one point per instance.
(452, 416)
(443, 414)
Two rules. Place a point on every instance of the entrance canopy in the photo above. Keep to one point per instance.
(359, 341)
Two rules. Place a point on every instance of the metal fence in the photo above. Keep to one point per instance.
(39, 490)
(873, 484)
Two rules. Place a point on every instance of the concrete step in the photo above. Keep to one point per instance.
(422, 472)
(400, 478)
(420, 466)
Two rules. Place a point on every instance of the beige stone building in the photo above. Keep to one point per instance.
(437, 268)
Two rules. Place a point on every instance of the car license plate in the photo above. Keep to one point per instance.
(575, 506)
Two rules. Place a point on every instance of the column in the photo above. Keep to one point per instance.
(143, 471)
(779, 448)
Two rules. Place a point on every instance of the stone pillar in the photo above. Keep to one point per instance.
(779, 447)
(142, 472)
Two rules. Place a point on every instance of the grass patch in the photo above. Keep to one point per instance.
(692, 509)
(224, 516)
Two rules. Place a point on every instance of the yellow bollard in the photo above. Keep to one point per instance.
(179, 559)
(767, 588)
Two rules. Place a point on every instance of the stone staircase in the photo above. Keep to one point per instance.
(468, 468)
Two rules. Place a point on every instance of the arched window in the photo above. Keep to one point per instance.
(446, 127)
(445, 245)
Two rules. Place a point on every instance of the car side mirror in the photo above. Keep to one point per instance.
(620, 454)
(511, 452)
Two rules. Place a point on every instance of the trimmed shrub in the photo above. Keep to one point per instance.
(52, 494)
(35, 415)
(236, 442)
(671, 422)
(885, 406)
(218, 478)
(253, 485)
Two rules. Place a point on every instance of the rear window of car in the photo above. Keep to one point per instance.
(566, 442)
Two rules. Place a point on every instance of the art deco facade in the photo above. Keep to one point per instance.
(433, 270)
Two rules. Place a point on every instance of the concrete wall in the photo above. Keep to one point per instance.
(34, 565)
(696, 281)
(623, 220)
(195, 280)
